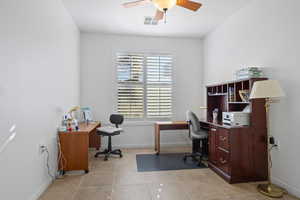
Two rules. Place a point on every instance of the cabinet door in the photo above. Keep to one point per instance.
(212, 156)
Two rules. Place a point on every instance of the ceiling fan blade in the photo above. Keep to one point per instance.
(159, 15)
(191, 5)
(135, 3)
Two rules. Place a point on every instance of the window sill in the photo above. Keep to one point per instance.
(130, 123)
(138, 123)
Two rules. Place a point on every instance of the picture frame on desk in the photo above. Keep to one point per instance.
(87, 114)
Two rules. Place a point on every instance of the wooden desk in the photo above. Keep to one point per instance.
(74, 146)
(160, 126)
(237, 154)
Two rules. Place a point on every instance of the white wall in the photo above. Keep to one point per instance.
(265, 33)
(99, 85)
(39, 79)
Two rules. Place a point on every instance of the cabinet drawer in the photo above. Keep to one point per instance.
(223, 160)
(212, 154)
(223, 139)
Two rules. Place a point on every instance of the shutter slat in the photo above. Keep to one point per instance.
(159, 90)
(130, 88)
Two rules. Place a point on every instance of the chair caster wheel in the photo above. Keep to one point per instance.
(105, 158)
(121, 155)
(86, 171)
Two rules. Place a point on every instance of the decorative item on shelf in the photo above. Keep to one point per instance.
(69, 122)
(215, 115)
(244, 94)
(270, 90)
(231, 94)
(249, 72)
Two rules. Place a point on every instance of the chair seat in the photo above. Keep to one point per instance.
(109, 130)
(199, 135)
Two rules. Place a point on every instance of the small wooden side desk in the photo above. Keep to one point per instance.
(161, 126)
(74, 146)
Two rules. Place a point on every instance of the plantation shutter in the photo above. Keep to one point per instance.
(159, 86)
(130, 85)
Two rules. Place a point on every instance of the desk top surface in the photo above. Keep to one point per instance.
(171, 123)
(217, 124)
(87, 127)
(84, 127)
(220, 124)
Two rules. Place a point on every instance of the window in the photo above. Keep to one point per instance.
(144, 85)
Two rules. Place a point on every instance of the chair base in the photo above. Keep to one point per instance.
(107, 153)
(198, 154)
(196, 157)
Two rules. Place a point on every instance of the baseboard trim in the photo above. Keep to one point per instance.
(40, 190)
(291, 189)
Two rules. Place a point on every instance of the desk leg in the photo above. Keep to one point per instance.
(157, 139)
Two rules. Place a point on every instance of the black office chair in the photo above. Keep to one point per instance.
(111, 131)
(197, 135)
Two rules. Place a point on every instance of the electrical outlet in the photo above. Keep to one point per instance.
(277, 144)
(42, 148)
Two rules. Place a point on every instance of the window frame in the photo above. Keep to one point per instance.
(145, 117)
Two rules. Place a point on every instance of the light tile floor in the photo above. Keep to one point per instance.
(118, 179)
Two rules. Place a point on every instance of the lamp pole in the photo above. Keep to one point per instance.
(269, 189)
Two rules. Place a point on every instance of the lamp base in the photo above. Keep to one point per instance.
(270, 190)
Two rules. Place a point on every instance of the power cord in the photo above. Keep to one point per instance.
(48, 167)
(61, 158)
(273, 145)
(45, 149)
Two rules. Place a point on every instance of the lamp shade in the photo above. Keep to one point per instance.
(266, 89)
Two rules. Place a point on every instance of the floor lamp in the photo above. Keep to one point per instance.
(271, 91)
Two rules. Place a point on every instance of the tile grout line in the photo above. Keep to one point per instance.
(77, 190)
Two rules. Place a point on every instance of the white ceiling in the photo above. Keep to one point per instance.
(108, 16)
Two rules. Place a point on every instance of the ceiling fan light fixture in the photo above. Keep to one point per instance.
(164, 4)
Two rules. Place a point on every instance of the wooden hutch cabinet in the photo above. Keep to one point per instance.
(237, 154)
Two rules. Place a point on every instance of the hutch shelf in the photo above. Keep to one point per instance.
(237, 154)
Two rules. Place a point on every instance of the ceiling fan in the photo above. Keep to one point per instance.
(164, 5)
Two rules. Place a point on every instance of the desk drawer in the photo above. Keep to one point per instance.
(223, 160)
(223, 139)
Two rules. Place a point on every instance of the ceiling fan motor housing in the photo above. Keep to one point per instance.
(164, 5)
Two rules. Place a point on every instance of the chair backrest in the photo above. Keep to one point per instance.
(193, 121)
(116, 119)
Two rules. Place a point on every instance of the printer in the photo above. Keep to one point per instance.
(236, 118)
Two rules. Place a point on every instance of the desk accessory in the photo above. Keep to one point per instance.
(236, 118)
(244, 94)
(87, 114)
(269, 90)
(69, 122)
(215, 114)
